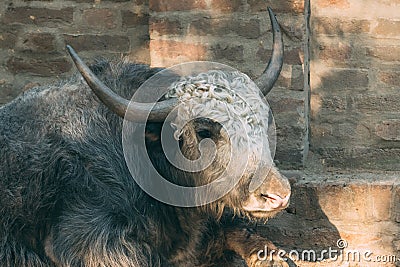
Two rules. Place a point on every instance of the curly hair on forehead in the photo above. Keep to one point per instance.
(230, 98)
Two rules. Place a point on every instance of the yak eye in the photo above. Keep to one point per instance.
(204, 133)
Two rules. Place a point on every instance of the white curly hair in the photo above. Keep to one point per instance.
(230, 98)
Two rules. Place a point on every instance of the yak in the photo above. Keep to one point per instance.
(68, 197)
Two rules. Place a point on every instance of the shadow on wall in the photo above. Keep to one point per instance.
(355, 113)
(354, 96)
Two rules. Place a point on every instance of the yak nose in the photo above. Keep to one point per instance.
(275, 201)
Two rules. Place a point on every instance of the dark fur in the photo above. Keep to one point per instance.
(68, 199)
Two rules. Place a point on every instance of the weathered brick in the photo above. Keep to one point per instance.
(293, 28)
(291, 6)
(390, 2)
(131, 19)
(115, 43)
(368, 103)
(386, 27)
(387, 53)
(342, 4)
(165, 26)
(390, 77)
(100, 18)
(176, 5)
(248, 29)
(352, 132)
(292, 77)
(334, 210)
(38, 42)
(334, 103)
(335, 26)
(294, 56)
(204, 26)
(388, 130)
(212, 26)
(354, 206)
(289, 158)
(338, 53)
(166, 53)
(286, 104)
(39, 66)
(292, 82)
(83, 1)
(381, 198)
(137, 2)
(38, 16)
(289, 134)
(320, 130)
(396, 207)
(226, 5)
(339, 79)
(228, 51)
(360, 157)
(315, 104)
(8, 37)
(220, 27)
(340, 133)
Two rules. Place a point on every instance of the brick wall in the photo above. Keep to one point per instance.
(33, 35)
(355, 83)
(162, 33)
(354, 46)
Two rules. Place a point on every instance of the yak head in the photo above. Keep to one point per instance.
(221, 126)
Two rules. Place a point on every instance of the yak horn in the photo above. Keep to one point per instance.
(266, 81)
(138, 112)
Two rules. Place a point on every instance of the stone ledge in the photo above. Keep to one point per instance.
(361, 208)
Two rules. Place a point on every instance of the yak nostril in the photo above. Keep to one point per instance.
(273, 196)
(270, 196)
(276, 201)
